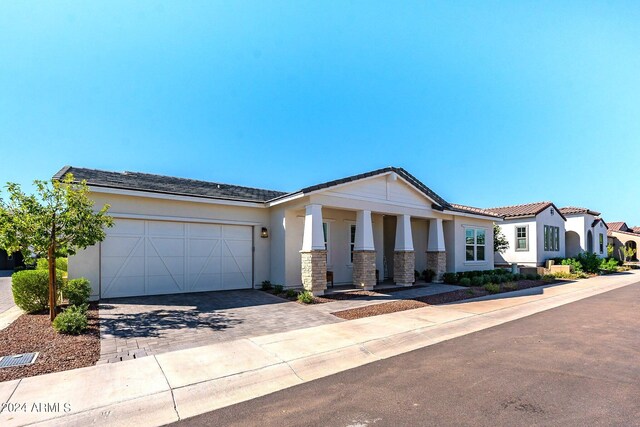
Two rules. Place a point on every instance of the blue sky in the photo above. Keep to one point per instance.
(488, 103)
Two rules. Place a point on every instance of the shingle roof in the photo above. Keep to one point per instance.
(168, 185)
(472, 209)
(400, 171)
(618, 226)
(569, 210)
(524, 210)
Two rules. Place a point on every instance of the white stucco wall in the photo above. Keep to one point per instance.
(87, 262)
(582, 224)
(547, 218)
(458, 251)
(511, 255)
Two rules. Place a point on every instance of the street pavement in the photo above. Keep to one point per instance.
(574, 365)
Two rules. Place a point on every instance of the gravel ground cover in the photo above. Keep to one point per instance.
(418, 302)
(58, 352)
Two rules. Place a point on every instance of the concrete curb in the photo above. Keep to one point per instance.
(9, 316)
(162, 389)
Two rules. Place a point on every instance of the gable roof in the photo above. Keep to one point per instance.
(474, 210)
(618, 226)
(597, 220)
(570, 210)
(524, 210)
(443, 204)
(168, 185)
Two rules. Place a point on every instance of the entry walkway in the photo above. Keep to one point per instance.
(157, 390)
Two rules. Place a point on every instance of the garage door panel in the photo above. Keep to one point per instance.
(173, 257)
(127, 226)
(122, 246)
(233, 232)
(165, 246)
(165, 228)
(205, 231)
(235, 281)
(204, 248)
(236, 248)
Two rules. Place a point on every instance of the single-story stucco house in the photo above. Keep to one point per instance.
(175, 235)
(585, 232)
(619, 235)
(535, 232)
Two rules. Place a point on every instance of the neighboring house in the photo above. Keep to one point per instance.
(585, 232)
(10, 261)
(175, 235)
(535, 232)
(619, 235)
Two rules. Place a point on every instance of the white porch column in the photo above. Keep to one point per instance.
(313, 238)
(404, 258)
(313, 253)
(436, 251)
(364, 252)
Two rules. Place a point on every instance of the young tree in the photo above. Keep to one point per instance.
(500, 242)
(58, 220)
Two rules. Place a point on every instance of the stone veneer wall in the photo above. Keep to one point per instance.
(314, 271)
(437, 261)
(364, 269)
(404, 265)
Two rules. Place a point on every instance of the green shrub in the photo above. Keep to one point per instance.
(305, 297)
(531, 276)
(500, 271)
(428, 275)
(450, 278)
(500, 278)
(278, 289)
(589, 261)
(476, 281)
(492, 288)
(43, 264)
(77, 291)
(416, 275)
(291, 293)
(30, 289)
(609, 265)
(549, 277)
(465, 281)
(575, 265)
(266, 285)
(73, 320)
(520, 276)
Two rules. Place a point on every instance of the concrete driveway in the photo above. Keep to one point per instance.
(137, 327)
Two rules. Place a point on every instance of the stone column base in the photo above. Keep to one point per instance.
(364, 269)
(314, 271)
(404, 266)
(437, 261)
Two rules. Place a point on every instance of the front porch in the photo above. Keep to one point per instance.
(360, 249)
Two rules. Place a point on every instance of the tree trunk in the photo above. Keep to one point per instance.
(52, 275)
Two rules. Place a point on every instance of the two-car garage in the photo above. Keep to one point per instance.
(147, 257)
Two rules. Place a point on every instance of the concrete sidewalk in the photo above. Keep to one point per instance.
(171, 386)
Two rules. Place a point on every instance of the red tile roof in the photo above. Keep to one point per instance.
(471, 209)
(569, 210)
(524, 210)
(618, 226)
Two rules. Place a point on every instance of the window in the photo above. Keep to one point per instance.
(601, 243)
(352, 240)
(475, 239)
(551, 238)
(522, 238)
(325, 231)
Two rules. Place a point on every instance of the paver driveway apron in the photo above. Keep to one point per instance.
(140, 326)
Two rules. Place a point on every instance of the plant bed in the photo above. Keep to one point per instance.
(58, 352)
(443, 298)
(342, 296)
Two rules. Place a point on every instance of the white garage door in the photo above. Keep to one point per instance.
(160, 257)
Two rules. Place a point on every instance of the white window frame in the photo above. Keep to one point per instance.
(351, 244)
(326, 232)
(475, 229)
(551, 238)
(526, 238)
(601, 242)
